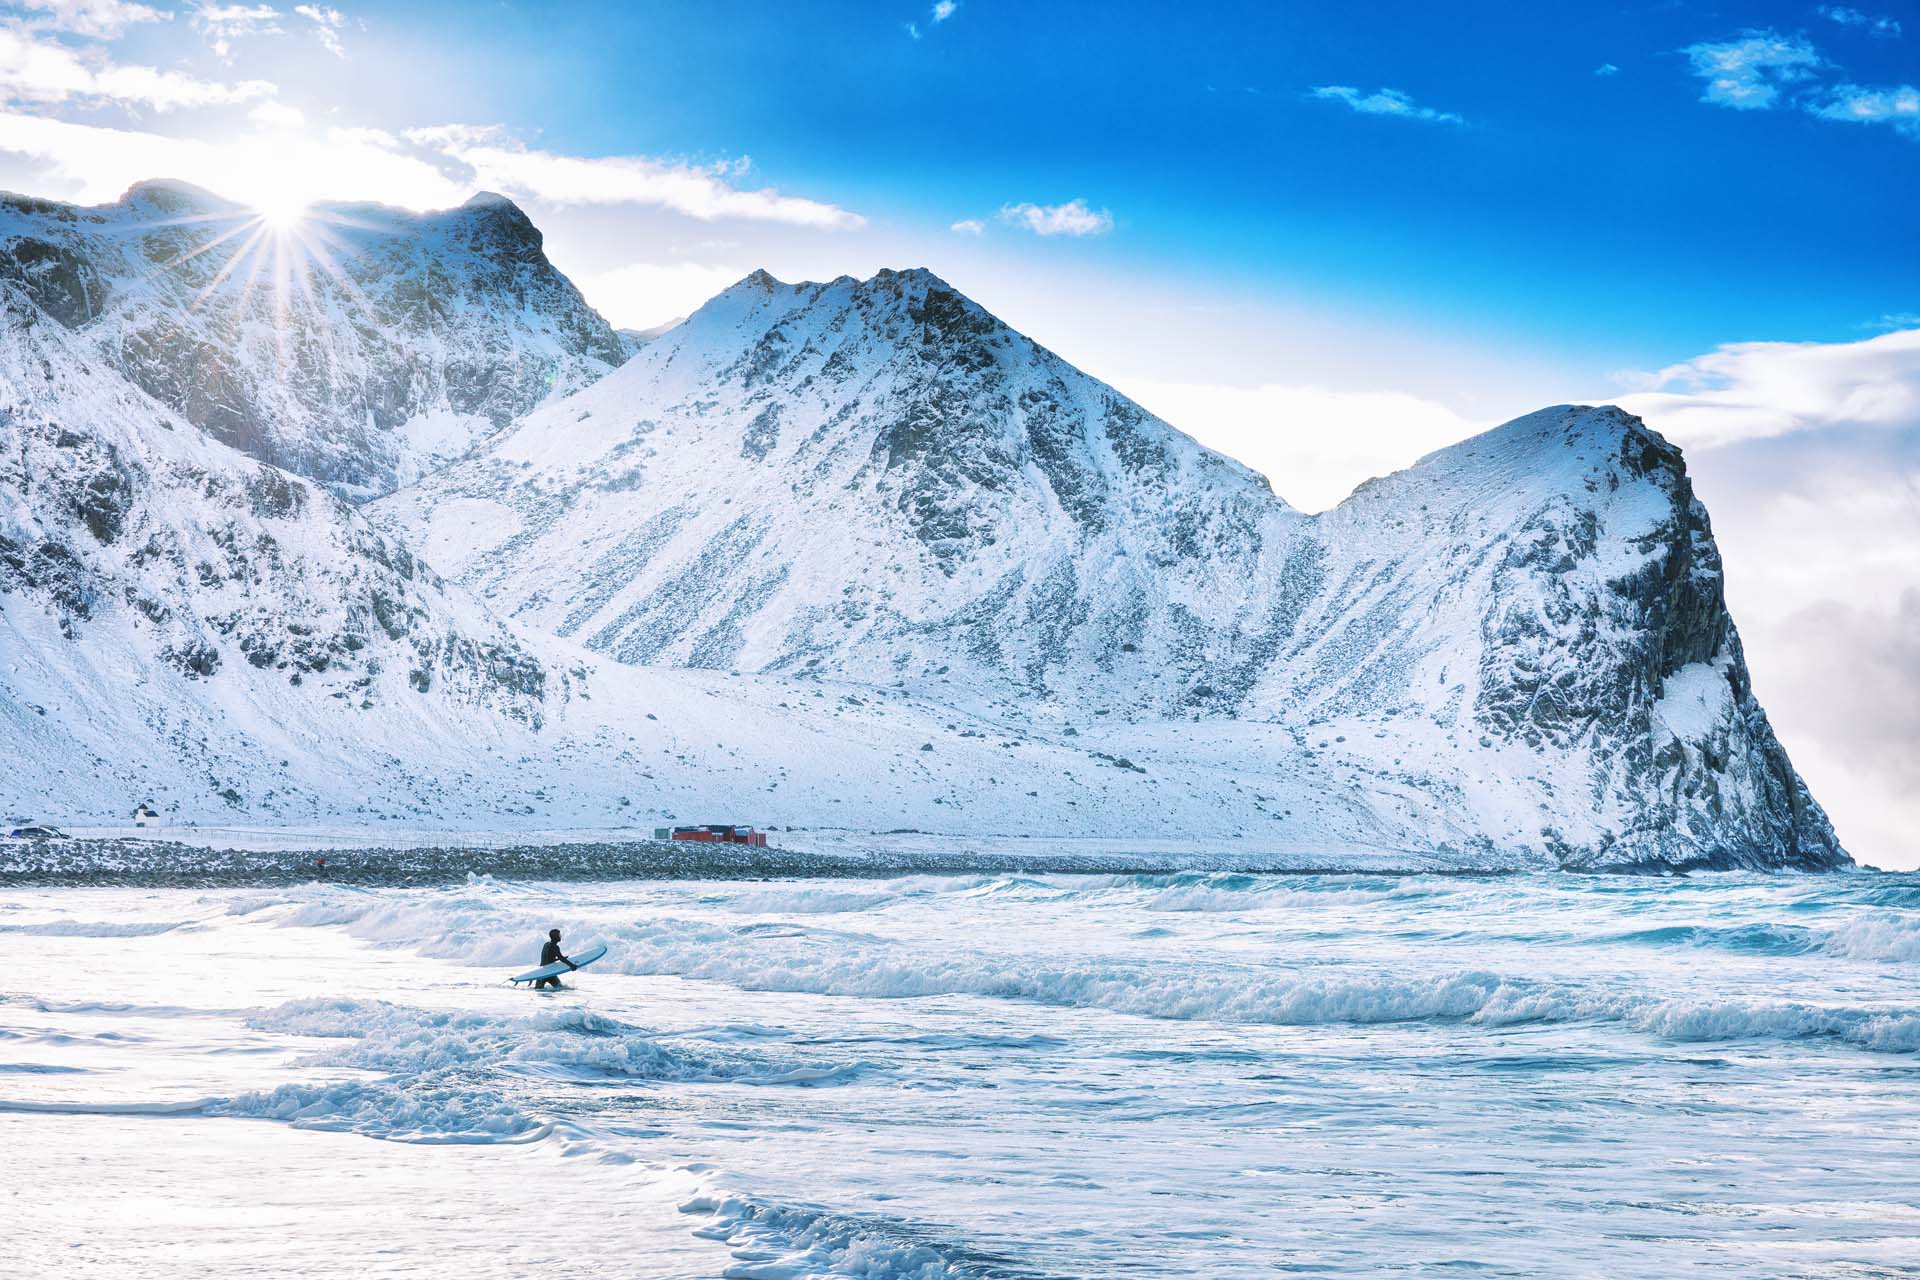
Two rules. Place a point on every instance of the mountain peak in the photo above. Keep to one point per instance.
(491, 200)
(910, 278)
(419, 334)
(911, 282)
(170, 195)
(492, 214)
(1561, 446)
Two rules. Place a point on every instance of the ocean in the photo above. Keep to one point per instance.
(1215, 1075)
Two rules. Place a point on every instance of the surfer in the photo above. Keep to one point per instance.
(550, 954)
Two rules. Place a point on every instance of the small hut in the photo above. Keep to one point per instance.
(144, 815)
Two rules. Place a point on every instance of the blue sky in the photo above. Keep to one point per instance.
(1322, 237)
(1441, 171)
(1613, 218)
(1617, 214)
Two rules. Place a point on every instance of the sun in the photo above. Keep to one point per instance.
(281, 212)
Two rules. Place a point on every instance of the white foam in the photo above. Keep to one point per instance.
(64, 928)
(437, 1066)
(475, 929)
(1887, 935)
(772, 1243)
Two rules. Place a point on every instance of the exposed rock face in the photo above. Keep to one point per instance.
(135, 535)
(359, 349)
(1556, 591)
(878, 481)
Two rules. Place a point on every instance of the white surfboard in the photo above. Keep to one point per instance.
(557, 968)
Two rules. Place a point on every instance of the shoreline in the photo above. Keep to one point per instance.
(137, 863)
(134, 862)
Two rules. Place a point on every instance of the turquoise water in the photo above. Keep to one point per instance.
(1216, 1075)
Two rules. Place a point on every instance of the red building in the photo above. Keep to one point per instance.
(714, 833)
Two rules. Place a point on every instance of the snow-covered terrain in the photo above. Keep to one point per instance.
(1520, 643)
(184, 625)
(854, 558)
(360, 346)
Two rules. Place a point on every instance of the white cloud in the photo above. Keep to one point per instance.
(497, 160)
(41, 71)
(272, 167)
(96, 19)
(1853, 736)
(326, 25)
(222, 24)
(1754, 390)
(1606, 69)
(643, 294)
(1385, 102)
(970, 227)
(1898, 107)
(1872, 24)
(1313, 444)
(281, 162)
(277, 115)
(1746, 73)
(1808, 457)
(1749, 73)
(1073, 218)
(944, 9)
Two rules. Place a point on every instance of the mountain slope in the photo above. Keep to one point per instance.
(170, 589)
(183, 625)
(878, 482)
(360, 347)
(1545, 603)
(869, 480)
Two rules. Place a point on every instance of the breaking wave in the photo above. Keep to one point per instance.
(1759, 939)
(1231, 891)
(1892, 936)
(777, 1242)
(1883, 935)
(754, 957)
(448, 1075)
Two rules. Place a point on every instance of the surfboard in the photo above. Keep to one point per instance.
(557, 968)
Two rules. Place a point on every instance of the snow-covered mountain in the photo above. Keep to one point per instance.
(878, 482)
(184, 625)
(849, 555)
(360, 347)
(874, 481)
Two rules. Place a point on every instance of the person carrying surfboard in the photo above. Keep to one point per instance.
(550, 954)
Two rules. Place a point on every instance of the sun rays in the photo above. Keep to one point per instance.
(265, 259)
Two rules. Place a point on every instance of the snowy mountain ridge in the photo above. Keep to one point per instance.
(851, 555)
(878, 482)
(361, 346)
(708, 504)
(182, 625)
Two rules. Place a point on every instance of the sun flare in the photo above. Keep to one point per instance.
(281, 213)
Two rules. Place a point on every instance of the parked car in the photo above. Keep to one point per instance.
(38, 833)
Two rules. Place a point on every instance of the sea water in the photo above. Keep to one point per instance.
(1186, 1075)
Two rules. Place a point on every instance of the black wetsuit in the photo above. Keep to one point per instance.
(549, 954)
